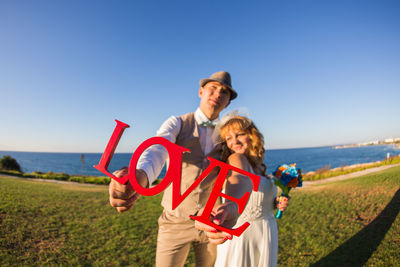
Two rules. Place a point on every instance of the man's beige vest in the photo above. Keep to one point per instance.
(193, 164)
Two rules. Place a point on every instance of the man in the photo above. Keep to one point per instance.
(193, 131)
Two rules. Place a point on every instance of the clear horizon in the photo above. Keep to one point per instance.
(309, 73)
(128, 152)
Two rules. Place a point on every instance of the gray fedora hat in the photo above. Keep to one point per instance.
(222, 77)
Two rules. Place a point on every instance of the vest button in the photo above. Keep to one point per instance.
(200, 190)
(199, 206)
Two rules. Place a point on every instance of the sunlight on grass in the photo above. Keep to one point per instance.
(58, 224)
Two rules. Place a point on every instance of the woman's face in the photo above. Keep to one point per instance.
(237, 141)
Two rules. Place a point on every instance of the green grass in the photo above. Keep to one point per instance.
(348, 223)
(326, 172)
(43, 223)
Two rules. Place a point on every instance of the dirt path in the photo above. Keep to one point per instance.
(305, 183)
(347, 176)
(51, 181)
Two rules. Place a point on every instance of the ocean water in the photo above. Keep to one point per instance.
(308, 159)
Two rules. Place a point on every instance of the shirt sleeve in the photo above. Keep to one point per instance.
(153, 159)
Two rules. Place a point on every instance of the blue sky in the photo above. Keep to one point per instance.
(310, 73)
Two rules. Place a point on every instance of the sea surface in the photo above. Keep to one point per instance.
(308, 159)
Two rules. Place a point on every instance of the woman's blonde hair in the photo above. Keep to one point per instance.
(256, 151)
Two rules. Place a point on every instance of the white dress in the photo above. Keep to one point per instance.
(258, 244)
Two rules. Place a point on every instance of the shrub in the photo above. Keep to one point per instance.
(77, 179)
(29, 175)
(9, 163)
(324, 169)
(14, 173)
(62, 176)
(97, 180)
(56, 176)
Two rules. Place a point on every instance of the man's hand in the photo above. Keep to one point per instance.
(225, 215)
(123, 197)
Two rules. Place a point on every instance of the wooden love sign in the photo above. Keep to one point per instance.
(173, 176)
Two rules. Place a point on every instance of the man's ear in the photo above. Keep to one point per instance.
(201, 91)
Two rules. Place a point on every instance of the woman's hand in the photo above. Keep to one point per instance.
(225, 215)
(283, 202)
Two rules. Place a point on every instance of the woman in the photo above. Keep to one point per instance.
(258, 245)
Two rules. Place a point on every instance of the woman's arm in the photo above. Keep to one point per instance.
(226, 214)
(238, 184)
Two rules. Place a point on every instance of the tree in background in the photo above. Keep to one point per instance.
(9, 163)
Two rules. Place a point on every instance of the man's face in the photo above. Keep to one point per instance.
(214, 96)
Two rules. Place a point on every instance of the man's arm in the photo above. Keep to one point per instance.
(153, 159)
(149, 166)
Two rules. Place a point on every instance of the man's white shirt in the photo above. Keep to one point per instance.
(153, 159)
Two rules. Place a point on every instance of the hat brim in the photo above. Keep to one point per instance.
(233, 92)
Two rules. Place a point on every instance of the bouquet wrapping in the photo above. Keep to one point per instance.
(286, 178)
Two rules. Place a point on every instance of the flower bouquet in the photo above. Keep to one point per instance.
(287, 177)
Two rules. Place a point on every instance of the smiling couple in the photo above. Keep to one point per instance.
(241, 145)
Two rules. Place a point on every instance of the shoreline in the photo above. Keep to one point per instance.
(319, 174)
(348, 175)
(366, 145)
(308, 159)
(324, 173)
(306, 184)
(344, 168)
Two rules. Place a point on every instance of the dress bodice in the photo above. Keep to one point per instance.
(261, 202)
(257, 246)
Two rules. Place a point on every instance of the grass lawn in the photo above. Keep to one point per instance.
(354, 222)
(347, 223)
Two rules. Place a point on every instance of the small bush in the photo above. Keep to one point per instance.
(392, 160)
(77, 179)
(323, 169)
(48, 175)
(29, 175)
(55, 176)
(35, 174)
(9, 163)
(14, 173)
(97, 180)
